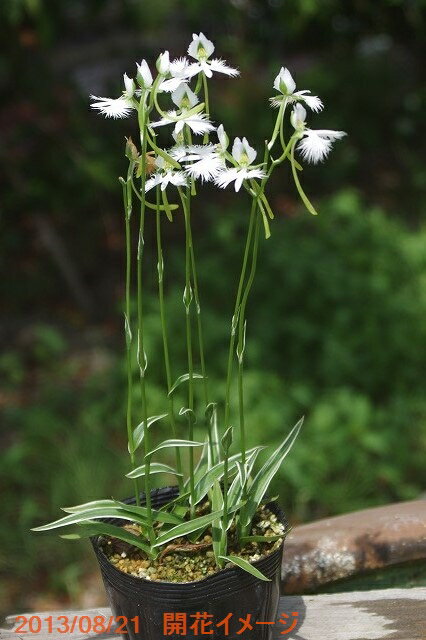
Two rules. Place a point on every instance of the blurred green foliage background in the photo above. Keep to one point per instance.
(336, 322)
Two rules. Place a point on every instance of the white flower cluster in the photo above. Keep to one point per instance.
(209, 161)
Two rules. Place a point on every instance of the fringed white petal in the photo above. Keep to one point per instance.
(220, 66)
(317, 143)
(112, 107)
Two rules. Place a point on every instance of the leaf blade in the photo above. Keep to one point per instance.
(246, 566)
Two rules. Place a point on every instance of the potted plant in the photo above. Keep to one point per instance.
(212, 545)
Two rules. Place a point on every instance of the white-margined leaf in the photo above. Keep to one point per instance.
(183, 378)
(243, 564)
(167, 444)
(91, 514)
(214, 451)
(218, 536)
(155, 467)
(102, 528)
(94, 504)
(189, 526)
(215, 473)
(142, 512)
(139, 431)
(264, 476)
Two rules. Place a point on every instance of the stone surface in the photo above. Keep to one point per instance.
(322, 552)
(394, 614)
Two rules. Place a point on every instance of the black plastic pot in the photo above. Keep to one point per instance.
(230, 591)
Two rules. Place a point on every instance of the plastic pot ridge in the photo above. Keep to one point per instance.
(229, 591)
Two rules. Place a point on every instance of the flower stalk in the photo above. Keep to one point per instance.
(160, 268)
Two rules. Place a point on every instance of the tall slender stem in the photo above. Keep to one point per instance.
(236, 311)
(141, 350)
(165, 338)
(127, 201)
(206, 102)
(187, 298)
(241, 341)
(199, 322)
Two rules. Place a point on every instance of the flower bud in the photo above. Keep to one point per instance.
(129, 86)
(163, 63)
(284, 82)
(298, 117)
(131, 151)
(223, 138)
(144, 75)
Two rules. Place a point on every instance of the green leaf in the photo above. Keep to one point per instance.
(246, 539)
(264, 476)
(139, 431)
(211, 416)
(127, 331)
(189, 414)
(102, 528)
(236, 489)
(94, 504)
(142, 512)
(227, 439)
(213, 474)
(183, 378)
(155, 467)
(91, 514)
(201, 467)
(189, 526)
(167, 444)
(243, 564)
(218, 535)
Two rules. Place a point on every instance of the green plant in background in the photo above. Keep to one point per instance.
(225, 480)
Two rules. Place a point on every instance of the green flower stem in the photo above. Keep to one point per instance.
(241, 340)
(225, 501)
(142, 120)
(165, 338)
(276, 131)
(236, 311)
(206, 102)
(241, 417)
(199, 322)
(282, 139)
(127, 202)
(310, 207)
(187, 302)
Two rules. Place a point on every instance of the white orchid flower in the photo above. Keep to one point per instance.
(202, 161)
(315, 144)
(201, 49)
(285, 84)
(181, 70)
(144, 75)
(185, 99)
(244, 156)
(197, 122)
(116, 107)
(166, 174)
